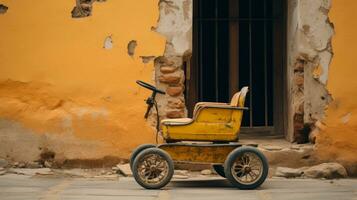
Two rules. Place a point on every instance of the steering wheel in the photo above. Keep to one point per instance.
(150, 87)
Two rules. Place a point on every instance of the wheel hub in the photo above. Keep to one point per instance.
(248, 168)
(153, 168)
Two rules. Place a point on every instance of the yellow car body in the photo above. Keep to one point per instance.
(219, 122)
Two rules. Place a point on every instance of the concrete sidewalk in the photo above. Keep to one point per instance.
(25, 187)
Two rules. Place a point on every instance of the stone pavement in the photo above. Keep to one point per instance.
(14, 186)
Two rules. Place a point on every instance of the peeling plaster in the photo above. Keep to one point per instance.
(131, 47)
(309, 45)
(179, 33)
(147, 59)
(83, 8)
(108, 43)
(57, 106)
(175, 24)
(3, 9)
(316, 40)
(346, 118)
(309, 38)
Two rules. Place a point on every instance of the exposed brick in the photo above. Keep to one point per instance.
(82, 10)
(299, 67)
(299, 118)
(174, 90)
(170, 78)
(299, 80)
(165, 61)
(298, 126)
(175, 113)
(300, 108)
(168, 69)
(176, 103)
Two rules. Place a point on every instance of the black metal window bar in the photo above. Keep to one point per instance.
(234, 44)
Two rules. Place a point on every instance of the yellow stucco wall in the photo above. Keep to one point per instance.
(338, 142)
(60, 89)
(59, 84)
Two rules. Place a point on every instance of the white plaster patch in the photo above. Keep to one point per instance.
(94, 112)
(175, 23)
(344, 119)
(314, 23)
(67, 122)
(325, 60)
(108, 42)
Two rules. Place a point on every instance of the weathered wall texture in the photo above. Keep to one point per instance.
(309, 57)
(175, 24)
(321, 68)
(338, 140)
(68, 84)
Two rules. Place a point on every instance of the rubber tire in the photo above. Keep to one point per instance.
(137, 151)
(219, 169)
(232, 157)
(163, 154)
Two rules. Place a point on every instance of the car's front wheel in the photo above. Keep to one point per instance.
(153, 168)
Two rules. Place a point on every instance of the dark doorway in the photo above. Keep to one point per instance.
(240, 43)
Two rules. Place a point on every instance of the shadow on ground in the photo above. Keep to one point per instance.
(221, 183)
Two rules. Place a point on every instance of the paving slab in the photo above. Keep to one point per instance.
(17, 187)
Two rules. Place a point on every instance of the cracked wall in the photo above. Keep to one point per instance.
(322, 86)
(337, 140)
(309, 57)
(68, 92)
(68, 85)
(175, 24)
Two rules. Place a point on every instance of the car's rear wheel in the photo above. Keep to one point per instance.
(153, 168)
(246, 168)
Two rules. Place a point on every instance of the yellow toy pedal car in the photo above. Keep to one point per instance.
(215, 126)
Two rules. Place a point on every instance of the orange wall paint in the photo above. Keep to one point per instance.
(338, 142)
(57, 80)
(56, 77)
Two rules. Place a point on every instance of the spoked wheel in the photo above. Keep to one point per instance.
(153, 168)
(219, 169)
(246, 168)
(137, 151)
